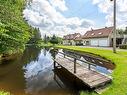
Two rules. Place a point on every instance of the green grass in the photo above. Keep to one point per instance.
(119, 84)
(4, 93)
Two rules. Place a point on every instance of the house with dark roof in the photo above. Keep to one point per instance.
(100, 37)
(71, 39)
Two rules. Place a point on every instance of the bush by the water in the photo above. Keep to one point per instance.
(123, 46)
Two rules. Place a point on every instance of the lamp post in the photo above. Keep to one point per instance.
(114, 25)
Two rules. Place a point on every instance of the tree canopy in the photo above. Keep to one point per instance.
(14, 30)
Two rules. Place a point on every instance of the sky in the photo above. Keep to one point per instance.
(62, 17)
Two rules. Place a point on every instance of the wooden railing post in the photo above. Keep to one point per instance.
(89, 66)
(54, 64)
(74, 65)
(64, 55)
(54, 59)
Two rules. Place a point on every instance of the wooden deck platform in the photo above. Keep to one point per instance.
(92, 79)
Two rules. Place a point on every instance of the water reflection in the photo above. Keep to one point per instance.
(30, 54)
(31, 73)
(38, 73)
(39, 76)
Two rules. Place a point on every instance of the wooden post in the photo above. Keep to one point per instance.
(74, 65)
(54, 64)
(89, 66)
(54, 59)
(64, 55)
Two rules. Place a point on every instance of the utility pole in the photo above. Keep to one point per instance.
(114, 25)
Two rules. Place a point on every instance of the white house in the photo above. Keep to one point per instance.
(98, 37)
(70, 39)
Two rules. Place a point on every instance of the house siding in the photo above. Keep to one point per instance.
(97, 42)
(69, 42)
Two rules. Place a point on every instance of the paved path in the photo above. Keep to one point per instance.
(108, 48)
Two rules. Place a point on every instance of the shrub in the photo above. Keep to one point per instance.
(79, 44)
(123, 46)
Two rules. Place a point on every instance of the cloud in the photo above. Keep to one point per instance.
(44, 14)
(60, 4)
(106, 7)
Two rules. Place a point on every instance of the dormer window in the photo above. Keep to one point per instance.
(92, 34)
(100, 33)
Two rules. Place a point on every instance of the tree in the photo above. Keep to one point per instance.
(14, 30)
(54, 40)
(45, 39)
(60, 40)
(125, 32)
(36, 36)
(120, 31)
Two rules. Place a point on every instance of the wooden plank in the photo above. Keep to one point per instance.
(99, 82)
(89, 77)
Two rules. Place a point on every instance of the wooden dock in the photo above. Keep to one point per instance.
(91, 78)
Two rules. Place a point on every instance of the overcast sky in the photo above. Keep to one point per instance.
(63, 17)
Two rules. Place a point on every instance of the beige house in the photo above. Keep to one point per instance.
(71, 39)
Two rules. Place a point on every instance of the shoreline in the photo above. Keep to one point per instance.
(9, 56)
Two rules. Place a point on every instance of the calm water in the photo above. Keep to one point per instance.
(32, 73)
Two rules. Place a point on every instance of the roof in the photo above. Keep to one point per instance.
(98, 33)
(72, 36)
(78, 38)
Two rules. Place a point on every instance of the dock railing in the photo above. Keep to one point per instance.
(75, 59)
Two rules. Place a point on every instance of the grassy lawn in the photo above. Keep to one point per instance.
(119, 84)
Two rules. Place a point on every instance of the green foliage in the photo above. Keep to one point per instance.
(123, 46)
(125, 32)
(121, 31)
(4, 93)
(45, 39)
(36, 38)
(14, 30)
(54, 40)
(60, 40)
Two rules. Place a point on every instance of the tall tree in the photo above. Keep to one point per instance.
(14, 30)
(54, 40)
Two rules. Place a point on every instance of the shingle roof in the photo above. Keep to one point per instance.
(71, 36)
(98, 33)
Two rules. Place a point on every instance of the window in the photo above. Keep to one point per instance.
(92, 34)
(100, 33)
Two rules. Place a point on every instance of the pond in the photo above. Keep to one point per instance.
(32, 73)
